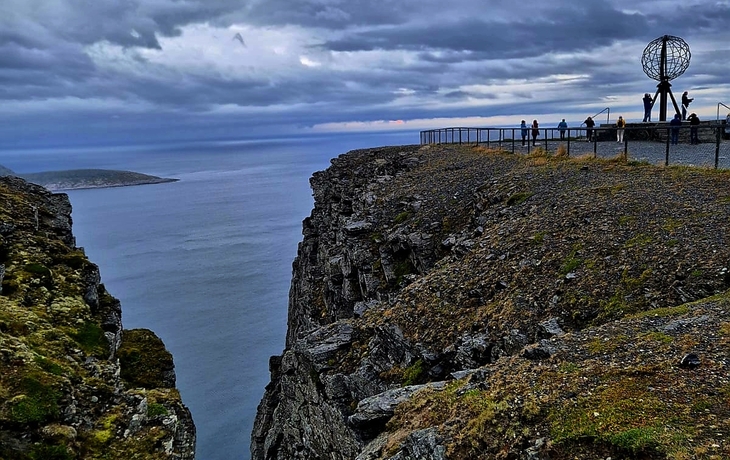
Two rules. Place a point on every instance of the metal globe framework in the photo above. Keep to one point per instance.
(663, 60)
(675, 63)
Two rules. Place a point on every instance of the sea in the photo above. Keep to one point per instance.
(204, 262)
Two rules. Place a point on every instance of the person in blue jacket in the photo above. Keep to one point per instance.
(647, 107)
(675, 124)
(523, 128)
(562, 126)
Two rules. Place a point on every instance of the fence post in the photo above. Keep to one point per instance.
(546, 143)
(666, 155)
(595, 143)
(717, 146)
(513, 141)
(568, 142)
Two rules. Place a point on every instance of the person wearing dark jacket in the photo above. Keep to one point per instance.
(674, 131)
(535, 131)
(523, 129)
(589, 128)
(647, 107)
(694, 123)
(685, 104)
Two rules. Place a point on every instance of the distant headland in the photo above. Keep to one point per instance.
(74, 179)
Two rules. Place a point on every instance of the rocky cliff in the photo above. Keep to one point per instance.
(454, 302)
(73, 383)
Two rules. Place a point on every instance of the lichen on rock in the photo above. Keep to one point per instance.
(61, 394)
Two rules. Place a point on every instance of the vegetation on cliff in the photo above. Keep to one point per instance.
(61, 395)
(568, 308)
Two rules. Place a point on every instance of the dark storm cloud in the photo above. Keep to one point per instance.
(565, 29)
(379, 59)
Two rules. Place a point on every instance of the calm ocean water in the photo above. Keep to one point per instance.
(204, 262)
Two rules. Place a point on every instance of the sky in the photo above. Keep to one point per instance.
(135, 71)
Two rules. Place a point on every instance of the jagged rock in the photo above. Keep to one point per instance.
(63, 393)
(549, 328)
(422, 444)
(543, 349)
(690, 360)
(373, 412)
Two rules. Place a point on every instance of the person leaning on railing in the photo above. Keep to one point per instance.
(535, 132)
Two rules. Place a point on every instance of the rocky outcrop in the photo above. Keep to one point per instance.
(65, 392)
(441, 293)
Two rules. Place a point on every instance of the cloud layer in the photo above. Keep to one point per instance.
(170, 69)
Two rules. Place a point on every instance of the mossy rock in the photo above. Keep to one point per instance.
(144, 360)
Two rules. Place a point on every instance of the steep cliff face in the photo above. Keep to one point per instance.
(63, 392)
(452, 302)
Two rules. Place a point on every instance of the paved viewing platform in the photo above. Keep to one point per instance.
(642, 142)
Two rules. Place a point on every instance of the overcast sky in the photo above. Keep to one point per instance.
(138, 70)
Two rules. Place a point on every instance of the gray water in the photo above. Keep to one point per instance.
(204, 262)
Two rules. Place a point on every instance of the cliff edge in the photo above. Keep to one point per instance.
(452, 302)
(73, 383)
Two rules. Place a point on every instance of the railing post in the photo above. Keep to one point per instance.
(513, 141)
(595, 143)
(666, 155)
(717, 145)
(489, 131)
(568, 147)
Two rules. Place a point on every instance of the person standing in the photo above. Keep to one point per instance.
(674, 130)
(589, 128)
(685, 104)
(727, 126)
(562, 126)
(647, 107)
(620, 126)
(535, 132)
(694, 123)
(523, 128)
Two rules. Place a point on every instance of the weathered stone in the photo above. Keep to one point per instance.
(549, 328)
(422, 444)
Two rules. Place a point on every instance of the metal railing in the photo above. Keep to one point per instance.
(718, 109)
(703, 145)
(608, 115)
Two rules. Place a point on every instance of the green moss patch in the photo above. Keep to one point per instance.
(144, 360)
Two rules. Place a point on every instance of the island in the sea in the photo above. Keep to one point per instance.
(73, 179)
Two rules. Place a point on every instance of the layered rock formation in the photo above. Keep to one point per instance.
(73, 383)
(452, 302)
